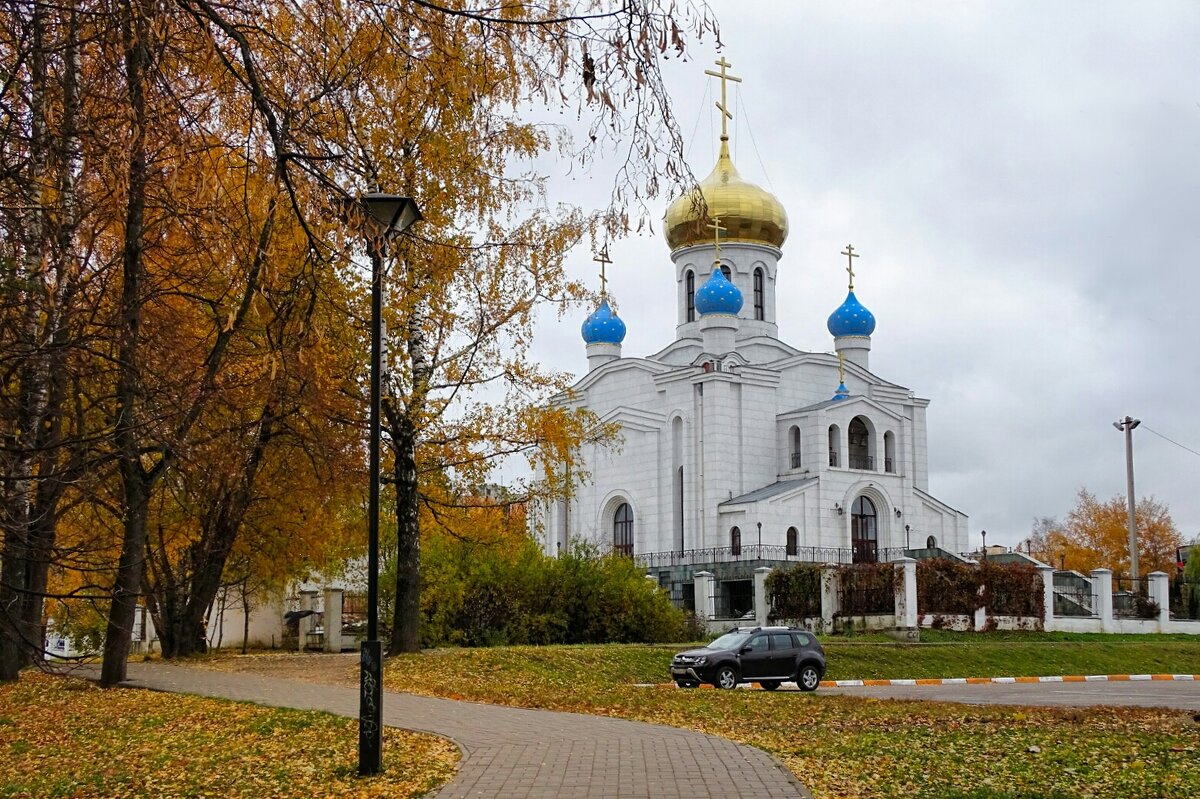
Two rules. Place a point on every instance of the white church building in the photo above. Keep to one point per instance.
(737, 449)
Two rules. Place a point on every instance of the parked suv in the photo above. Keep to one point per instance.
(765, 655)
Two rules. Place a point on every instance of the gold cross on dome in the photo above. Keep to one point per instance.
(604, 261)
(716, 229)
(850, 256)
(723, 105)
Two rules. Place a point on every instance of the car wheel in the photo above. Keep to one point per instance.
(725, 678)
(769, 685)
(809, 678)
(687, 684)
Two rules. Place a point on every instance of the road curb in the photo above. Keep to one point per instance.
(1010, 680)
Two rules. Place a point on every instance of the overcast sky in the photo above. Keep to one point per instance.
(1022, 180)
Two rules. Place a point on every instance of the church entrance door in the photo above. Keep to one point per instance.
(864, 536)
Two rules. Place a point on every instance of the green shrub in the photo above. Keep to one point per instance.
(1012, 589)
(795, 593)
(482, 596)
(947, 586)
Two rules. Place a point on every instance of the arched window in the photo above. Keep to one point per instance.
(858, 440)
(864, 537)
(689, 282)
(728, 274)
(735, 541)
(623, 530)
(792, 537)
(759, 307)
(889, 451)
(794, 446)
(835, 445)
(931, 542)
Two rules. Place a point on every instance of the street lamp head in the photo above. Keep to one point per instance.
(1134, 423)
(391, 214)
(1119, 425)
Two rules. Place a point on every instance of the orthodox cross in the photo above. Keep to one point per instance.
(850, 256)
(716, 229)
(604, 261)
(724, 78)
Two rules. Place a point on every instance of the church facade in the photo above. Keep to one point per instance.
(737, 449)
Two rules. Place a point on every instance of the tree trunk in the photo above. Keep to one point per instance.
(136, 481)
(192, 590)
(406, 619)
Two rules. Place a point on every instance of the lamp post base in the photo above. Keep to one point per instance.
(370, 709)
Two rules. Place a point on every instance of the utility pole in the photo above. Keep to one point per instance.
(1126, 425)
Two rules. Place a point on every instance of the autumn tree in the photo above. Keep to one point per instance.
(459, 86)
(184, 317)
(1095, 535)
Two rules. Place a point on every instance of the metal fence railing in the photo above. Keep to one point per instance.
(1131, 598)
(866, 592)
(766, 552)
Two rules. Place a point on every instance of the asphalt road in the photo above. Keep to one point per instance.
(1174, 695)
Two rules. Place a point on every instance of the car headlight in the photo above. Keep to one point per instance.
(700, 661)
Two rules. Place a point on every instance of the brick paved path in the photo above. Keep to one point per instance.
(513, 753)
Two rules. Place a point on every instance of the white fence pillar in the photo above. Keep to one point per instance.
(1048, 594)
(829, 597)
(906, 594)
(706, 603)
(761, 611)
(1160, 592)
(1102, 603)
(333, 620)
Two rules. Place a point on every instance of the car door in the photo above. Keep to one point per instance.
(783, 655)
(756, 657)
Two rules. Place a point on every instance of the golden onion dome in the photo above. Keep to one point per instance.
(746, 212)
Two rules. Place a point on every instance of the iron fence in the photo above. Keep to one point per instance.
(1073, 595)
(1131, 598)
(866, 592)
(764, 552)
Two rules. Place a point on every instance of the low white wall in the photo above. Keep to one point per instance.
(1075, 624)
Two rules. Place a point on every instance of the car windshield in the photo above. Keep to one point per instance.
(729, 641)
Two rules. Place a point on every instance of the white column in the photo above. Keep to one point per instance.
(1102, 604)
(829, 597)
(856, 349)
(333, 620)
(1048, 593)
(718, 332)
(906, 594)
(761, 611)
(601, 353)
(706, 605)
(1160, 593)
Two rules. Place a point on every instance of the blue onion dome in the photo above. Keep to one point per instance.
(842, 392)
(603, 326)
(851, 319)
(718, 296)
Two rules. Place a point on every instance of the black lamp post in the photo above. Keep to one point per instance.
(983, 533)
(387, 215)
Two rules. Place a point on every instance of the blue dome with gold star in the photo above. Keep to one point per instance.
(718, 296)
(603, 326)
(851, 319)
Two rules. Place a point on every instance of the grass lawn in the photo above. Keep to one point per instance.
(63, 737)
(948, 654)
(847, 746)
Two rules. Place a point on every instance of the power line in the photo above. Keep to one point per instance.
(1164, 438)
